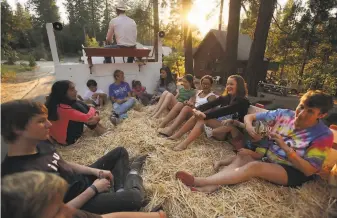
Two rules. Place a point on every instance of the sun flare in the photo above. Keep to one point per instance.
(206, 16)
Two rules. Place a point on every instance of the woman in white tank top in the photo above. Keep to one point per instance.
(203, 96)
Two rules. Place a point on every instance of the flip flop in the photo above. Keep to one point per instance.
(185, 178)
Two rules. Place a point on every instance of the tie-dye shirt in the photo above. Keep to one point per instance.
(312, 144)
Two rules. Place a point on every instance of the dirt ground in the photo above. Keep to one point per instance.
(23, 85)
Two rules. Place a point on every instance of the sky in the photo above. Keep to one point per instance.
(197, 16)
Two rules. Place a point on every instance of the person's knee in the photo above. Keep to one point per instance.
(132, 100)
(252, 167)
(135, 199)
(186, 109)
(122, 151)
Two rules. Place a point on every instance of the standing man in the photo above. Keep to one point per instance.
(125, 31)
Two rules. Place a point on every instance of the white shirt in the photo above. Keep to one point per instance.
(124, 29)
(88, 95)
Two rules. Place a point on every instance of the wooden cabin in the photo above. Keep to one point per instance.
(212, 48)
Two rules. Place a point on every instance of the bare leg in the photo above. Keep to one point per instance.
(253, 169)
(194, 134)
(185, 128)
(161, 100)
(172, 114)
(184, 113)
(100, 130)
(101, 103)
(221, 132)
(225, 162)
(169, 102)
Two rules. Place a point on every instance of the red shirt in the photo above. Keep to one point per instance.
(65, 114)
(140, 91)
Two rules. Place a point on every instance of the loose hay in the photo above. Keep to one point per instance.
(255, 198)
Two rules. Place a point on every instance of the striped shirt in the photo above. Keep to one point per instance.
(312, 144)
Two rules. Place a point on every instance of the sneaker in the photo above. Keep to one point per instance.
(114, 120)
(208, 131)
(138, 163)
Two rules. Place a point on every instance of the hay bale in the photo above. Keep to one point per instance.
(255, 198)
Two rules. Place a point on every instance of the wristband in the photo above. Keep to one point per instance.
(291, 154)
(94, 188)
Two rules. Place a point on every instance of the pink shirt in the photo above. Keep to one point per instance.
(65, 114)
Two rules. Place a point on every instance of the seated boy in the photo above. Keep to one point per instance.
(94, 95)
(106, 186)
(298, 145)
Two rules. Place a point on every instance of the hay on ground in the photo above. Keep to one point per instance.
(255, 198)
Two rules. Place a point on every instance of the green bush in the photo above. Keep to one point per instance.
(91, 42)
(12, 57)
(32, 62)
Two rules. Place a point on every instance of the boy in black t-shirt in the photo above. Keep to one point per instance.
(37, 194)
(25, 128)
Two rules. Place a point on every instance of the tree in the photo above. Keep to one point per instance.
(45, 11)
(95, 13)
(316, 14)
(220, 15)
(156, 27)
(257, 51)
(21, 27)
(6, 25)
(108, 14)
(249, 23)
(187, 38)
(229, 62)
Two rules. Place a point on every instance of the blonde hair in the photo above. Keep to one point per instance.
(27, 194)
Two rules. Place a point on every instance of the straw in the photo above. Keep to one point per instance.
(255, 198)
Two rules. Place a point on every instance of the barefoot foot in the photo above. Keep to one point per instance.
(165, 132)
(186, 178)
(180, 148)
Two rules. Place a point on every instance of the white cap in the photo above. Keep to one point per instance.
(121, 6)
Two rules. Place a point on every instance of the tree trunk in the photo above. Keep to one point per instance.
(188, 39)
(256, 57)
(156, 28)
(220, 16)
(307, 49)
(285, 55)
(229, 62)
(305, 59)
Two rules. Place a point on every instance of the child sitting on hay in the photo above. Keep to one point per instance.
(94, 95)
(297, 147)
(168, 100)
(140, 93)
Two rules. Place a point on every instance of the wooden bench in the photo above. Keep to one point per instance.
(115, 52)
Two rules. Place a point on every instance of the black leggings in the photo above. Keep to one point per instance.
(75, 129)
(117, 161)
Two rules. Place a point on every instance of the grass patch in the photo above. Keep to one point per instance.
(8, 72)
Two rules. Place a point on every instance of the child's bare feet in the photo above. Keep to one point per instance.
(180, 147)
(165, 131)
